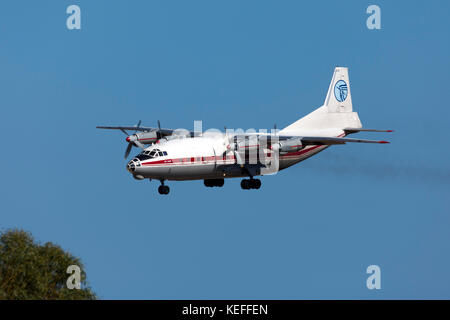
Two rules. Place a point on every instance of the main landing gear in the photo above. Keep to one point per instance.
(214, 182)
(251, 183)
(162, 189)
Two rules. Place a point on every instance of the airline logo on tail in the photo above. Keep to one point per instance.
(341, 91)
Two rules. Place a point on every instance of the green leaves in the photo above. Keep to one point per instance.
(29, 270)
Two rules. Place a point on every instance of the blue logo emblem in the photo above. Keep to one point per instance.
(340, 91)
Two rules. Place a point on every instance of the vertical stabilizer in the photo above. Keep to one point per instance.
(339, 98)
(336, 112)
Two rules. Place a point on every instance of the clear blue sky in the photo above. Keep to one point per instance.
(309, 232)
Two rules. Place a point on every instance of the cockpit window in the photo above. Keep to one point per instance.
(142, 157)
(149, 154)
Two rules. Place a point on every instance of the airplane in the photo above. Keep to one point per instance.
(180, 155)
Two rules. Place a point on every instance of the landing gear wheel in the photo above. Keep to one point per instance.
(247, 184)
(163, 190)
(214, 182)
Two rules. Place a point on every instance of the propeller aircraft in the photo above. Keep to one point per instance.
(212, 156)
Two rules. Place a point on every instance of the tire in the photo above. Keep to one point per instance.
(245, 184)
(163, 190)
(213, 182)
(207, 183)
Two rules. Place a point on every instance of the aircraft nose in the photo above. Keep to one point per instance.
(133, 165)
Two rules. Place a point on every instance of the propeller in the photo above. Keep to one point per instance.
(132, 141)
(275, 162)
(233, 146)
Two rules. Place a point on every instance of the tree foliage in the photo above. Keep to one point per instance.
(30, 270)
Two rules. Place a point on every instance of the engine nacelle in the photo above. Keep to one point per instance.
(251, 144)
(290, 145)
(148, 137)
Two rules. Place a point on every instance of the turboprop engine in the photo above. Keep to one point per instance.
(290, 145)
(143, 137)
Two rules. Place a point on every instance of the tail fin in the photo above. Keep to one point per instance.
(336, 112)
(339, 97)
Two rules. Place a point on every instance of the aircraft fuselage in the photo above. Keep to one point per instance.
(205, 158)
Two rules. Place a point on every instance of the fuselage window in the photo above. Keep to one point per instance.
(165, 153)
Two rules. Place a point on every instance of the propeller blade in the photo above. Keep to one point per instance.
(127, 152)
(276, 161)
(238, 157)
(139, 145)
(124, 132)
(139, 124)
(158, 132)
(274, 166)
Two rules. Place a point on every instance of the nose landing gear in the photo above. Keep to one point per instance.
(162, 189)
(251, 183)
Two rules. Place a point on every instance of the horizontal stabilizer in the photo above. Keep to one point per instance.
(354, 130)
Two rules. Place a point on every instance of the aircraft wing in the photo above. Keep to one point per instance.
(164, 132)
(305, 140)
(317, 140)
(333, 140)
(127, 128)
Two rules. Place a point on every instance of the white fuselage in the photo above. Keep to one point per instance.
(203, 157)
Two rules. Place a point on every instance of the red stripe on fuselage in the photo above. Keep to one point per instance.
(188, 161)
